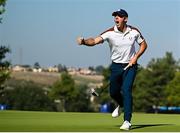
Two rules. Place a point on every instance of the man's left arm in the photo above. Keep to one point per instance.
(142, 48)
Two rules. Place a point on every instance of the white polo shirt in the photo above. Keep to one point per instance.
(122, 45)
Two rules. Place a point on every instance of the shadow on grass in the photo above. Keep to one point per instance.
(147, 125)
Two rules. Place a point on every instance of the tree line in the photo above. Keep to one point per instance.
(157, 84)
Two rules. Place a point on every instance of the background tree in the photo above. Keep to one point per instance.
(104, 97)
(72, 97)
(26, 95)
(61, 68)
(91, 68)
(99, 69)
(37, 65)
(80, 102)
(141, 95)
(150, 83)
(4, 66)
(2, 8)
(173, 91)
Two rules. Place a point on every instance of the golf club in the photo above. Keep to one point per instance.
(94, 93)
(127, 67)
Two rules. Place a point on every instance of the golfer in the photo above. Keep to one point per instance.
(122, 39)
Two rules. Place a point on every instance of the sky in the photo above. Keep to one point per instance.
(45, 31)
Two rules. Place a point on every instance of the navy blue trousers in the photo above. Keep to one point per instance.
(121, 82)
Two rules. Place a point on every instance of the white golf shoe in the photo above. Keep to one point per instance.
(116, 112)
(126, 125)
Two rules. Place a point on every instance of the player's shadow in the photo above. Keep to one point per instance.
(146, 125)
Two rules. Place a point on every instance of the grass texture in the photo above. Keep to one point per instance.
(29, 121)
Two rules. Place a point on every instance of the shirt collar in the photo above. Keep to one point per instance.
(126, 32)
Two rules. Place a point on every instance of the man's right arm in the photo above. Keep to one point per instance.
(89, 41)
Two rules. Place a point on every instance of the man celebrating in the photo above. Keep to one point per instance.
(121, 39)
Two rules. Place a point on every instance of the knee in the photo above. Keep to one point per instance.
(114, 94)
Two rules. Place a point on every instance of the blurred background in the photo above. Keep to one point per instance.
(43, 69)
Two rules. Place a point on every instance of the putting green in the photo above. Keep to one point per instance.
(26, 121)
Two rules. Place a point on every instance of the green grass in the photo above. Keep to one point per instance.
(25, 121)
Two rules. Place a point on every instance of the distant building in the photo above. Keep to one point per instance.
(83, 71)
(53, 69)
(72, 70)
(86, 71)
(37, 70)
(21, 68)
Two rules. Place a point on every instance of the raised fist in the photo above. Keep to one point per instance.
(80, 40)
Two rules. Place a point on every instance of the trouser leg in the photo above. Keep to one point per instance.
(128, 79)
(115, 83)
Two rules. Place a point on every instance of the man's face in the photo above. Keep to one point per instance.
(120, 21)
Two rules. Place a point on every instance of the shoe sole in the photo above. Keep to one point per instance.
(124, 129)
(115, 116)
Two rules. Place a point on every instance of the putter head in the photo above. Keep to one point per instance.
(94, 93)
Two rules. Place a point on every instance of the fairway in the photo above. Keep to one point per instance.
(27, 121)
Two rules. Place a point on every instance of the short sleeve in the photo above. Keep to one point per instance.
(105, 36)
(139, 38)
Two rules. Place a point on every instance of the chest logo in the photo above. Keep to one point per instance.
(130, 38)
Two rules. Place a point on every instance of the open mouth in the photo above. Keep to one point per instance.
(117, 24)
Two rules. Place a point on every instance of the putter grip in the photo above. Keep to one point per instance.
(126, 67)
